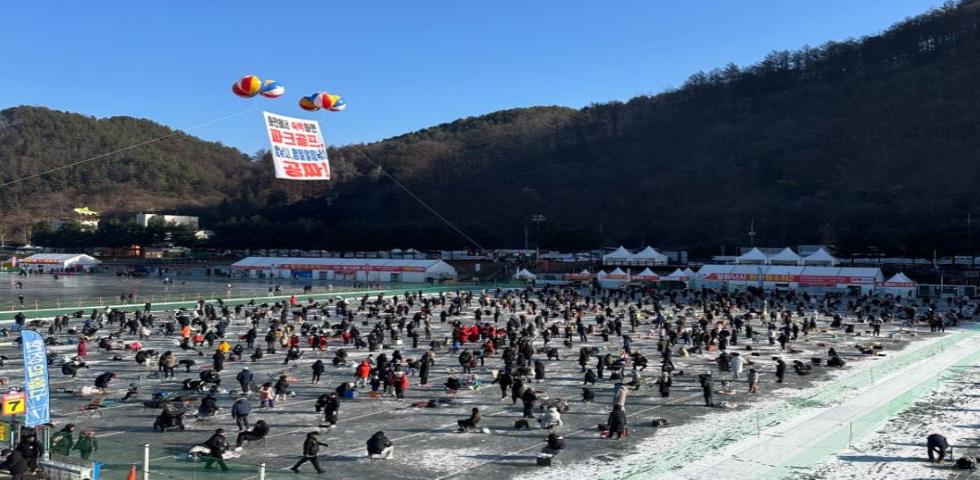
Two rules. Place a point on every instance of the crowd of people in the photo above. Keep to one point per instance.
(507, 338)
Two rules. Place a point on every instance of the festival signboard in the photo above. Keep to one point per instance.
(298, 151)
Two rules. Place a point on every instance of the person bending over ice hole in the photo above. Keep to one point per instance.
(937, 444)
(472, 422)
(331, 409)
(452, 384)
(208, 407)
(102, 381)
(801, 368)
(378, 446)
(550, 419)
(72, 367)
(169, 418)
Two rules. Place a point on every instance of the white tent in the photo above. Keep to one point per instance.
(820, 258)
(786, 257)
(677, 275)
(615, 278)
(524, 274)
(345, 269)
(59, 261)
(689, 273)
(649, 256)
(620, 255)
(617, 273)
(900, 279)
(899, 285)
(752, 257)
(646, 275)
(584, 275)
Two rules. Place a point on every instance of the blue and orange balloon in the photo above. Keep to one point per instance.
(338, 106)
(307, 103)
(272, 89)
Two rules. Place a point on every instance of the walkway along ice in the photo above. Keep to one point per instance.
(801, 432)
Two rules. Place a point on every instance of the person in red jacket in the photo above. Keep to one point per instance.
(401, 384)
(363, 372)
(82, 347)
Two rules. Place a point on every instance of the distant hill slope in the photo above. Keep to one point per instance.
(865, 143)
(180, 171)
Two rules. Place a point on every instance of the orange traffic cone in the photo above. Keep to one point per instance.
(132, 473)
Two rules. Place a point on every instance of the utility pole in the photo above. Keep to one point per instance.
(537, 219)
(969, 236)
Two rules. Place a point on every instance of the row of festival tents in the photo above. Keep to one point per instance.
(616, 276)
(899, 284)
(787, 256)
(647, 256)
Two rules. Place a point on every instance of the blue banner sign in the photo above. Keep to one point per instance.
(36, 384)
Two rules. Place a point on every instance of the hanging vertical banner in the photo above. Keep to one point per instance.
(36, 378)
(298, 152)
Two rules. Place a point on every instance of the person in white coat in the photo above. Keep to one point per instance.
(737, 363)
(620, 395)
(550, 418)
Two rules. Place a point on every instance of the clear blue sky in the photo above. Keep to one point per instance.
(401, 65)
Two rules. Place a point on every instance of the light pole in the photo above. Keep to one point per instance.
(537, 219)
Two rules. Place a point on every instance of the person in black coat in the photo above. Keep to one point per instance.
(617, 422)
(257, 433)
(516, 389)
(664, 383)
(539, 370)
(425, 363)
(318, 369)
(331, 409)
(472, 422)
(217, 445)
(528, 397)
(245, 379)
(219, 361)
(556, 443)
(780, 370)
(590, 377)
(208, 407)
(706, 389)
(31, 449)
(311, 447)
(937, 443)
(504, 380)
(102, 381)
(14, 463)
(379, 445)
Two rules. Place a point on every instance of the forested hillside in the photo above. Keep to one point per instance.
(864, 143)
